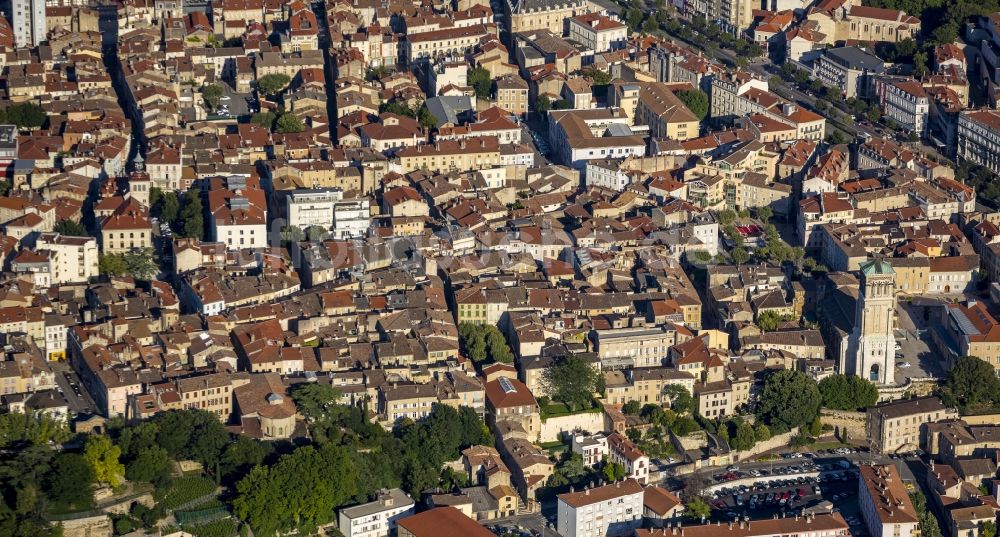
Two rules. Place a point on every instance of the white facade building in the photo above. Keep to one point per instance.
(598, 32)
(377, 518)
(884, 503)
(907, 104)
(72, 259)
(28, 19)
(593, 449)
(327, 208)
(610, 511)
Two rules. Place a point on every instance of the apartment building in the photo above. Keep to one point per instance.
(451, 155)
(967, 329)
(377, 518)
(613, 510)
(327, 208)
(906, 103)
(238, 208)
(623, 451)
(27, 17)
(512, 94)
(508, 399)
(644, 385)
(71, 259)
(398, 401)
(626, 348)
(885, 503)
(592, 449)
(825, 525)
(582, 135)
(849, 69)
(126, 229)
(979, 138)
(897, 425)
(598, 32)
(445, 42)
(439, 522)
(528, 15)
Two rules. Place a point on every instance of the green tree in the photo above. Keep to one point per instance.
(598, 78)
(102, 456)
(24, 115)
(497, 346)
(140, 263)
(761, 433)
(289, 123)
(744, 438)
(634, 17)
(317, 233)
(112, 265)
(211, 93)
(680, 398)
(571, 381)
(264, 119)
(272, 84)
(543, 104)
(632, 408)
(426, 118)
(292, 234)
(398, 108)
(472, 341)
(191, 220)
(988, 529)
(69, 482)
(696, 101)
(166, 206)
(768, 321)
(650, 25)
(816, 427)
(920, 65)
(841, 392)
(971, 382)
(313, 400)
(739, 255)
(481, 82)
(71, 228)
(765, 213)
(789, 399)
(697, 509)
(149, 465)
(613, 471)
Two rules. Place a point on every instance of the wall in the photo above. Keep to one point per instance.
(585, 421)
(841, 420)
(95, 526)
(982, 419)
(775, 442)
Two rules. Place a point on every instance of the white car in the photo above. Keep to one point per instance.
(225, 98)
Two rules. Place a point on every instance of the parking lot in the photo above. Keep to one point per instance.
(69, 386)
(914, 356)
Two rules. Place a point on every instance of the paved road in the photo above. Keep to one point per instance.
(78, 398)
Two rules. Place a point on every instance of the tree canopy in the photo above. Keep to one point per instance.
(138, 263)
(789, 399)
(24, 115)
(842, 392)
(971, 382)
(481, 342)
(289, 123)
(481, 82)
(191, 220)
(71, 228)
(680, 398)
(571, 381)
(272, 84)
(696, 101)
(211, 93)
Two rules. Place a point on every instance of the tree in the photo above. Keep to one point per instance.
(768, 321)
(69, 482)
(24, 115)
(816, 427)
(272, 84)
(744, 438)
(650, 25)
(543, 104)
(112, 265)
(562, 104)
(634, 17)
(264, 119)
(597, 77)
(696, 101)
(680, 398)
(191, 220)
(211, 93)
(632, 408)
(166, 205)
(697, 509)
(289, 123)
(920, 65)
(988, 529)
(972, 382)
(471, 340)
(102, 456)
(71, 228)
(613, 471)
(789, 399)
(292, 234)
(739, 255)
(317, 233)
(313, 400)
(841, 392)
(765, 213)
(396, 107)
(571, 381)
(150, 464)
(761, 433)
(426, 118)
(497, 346)
(140, 263)
(481, 82)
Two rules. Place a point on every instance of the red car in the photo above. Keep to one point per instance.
(802, 492)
